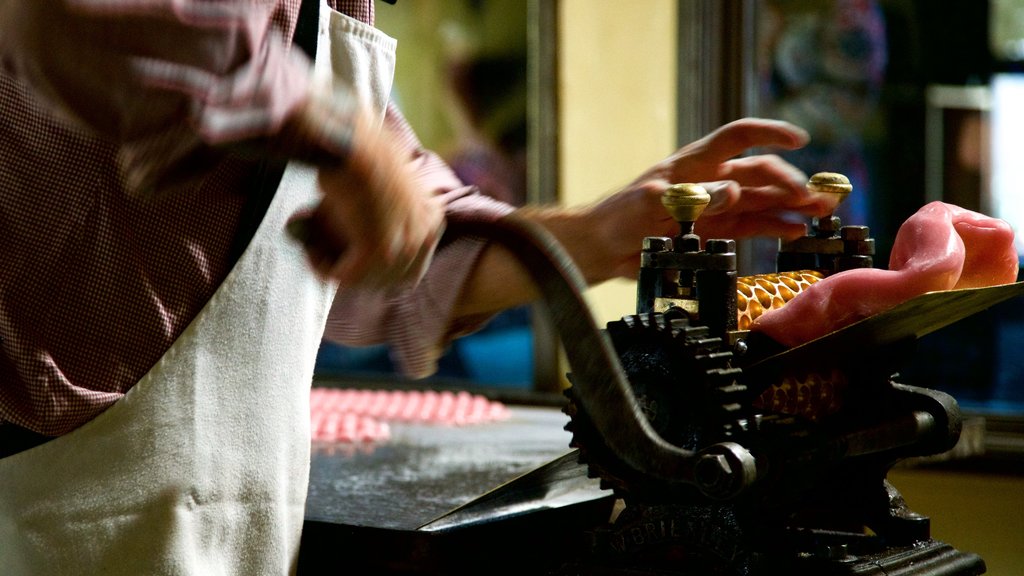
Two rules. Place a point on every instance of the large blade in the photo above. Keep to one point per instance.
(561, 482)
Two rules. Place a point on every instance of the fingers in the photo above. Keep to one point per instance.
(407, 257)
(329, 252)
(767, 211)
(765, 170)
(739, 136)
(713, 156)
(360, 257)
(771, 179)
(724, 195)
(760, 195)
(374, 226)
(727, 196)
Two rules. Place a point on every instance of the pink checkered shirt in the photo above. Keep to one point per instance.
(96, 282)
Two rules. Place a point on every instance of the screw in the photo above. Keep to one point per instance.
(657, 244)
(712, 472)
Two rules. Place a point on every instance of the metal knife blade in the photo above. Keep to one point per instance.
(561, 482)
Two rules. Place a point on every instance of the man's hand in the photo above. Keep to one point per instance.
(373, 227)
(750, 196)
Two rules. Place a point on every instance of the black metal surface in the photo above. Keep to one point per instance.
(928, 558)
(425, 471)
(366, 506)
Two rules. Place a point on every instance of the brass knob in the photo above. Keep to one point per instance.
(685, 202)
(830, 183)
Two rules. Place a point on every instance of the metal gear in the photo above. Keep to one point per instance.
(686, 387)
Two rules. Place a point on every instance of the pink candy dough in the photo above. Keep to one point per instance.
(347, 415)
(941, 247)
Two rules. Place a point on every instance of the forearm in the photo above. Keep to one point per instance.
(499, 281)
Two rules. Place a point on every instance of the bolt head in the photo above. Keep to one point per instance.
(712, 471)
(657, 244)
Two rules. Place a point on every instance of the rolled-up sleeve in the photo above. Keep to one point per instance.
(163, 78)
(416, 322)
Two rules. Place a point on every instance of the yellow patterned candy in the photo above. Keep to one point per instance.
(755, 294)
(813, 395)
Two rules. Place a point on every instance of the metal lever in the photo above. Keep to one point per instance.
(604, 391)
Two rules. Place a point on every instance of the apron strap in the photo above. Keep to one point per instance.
(267, 173)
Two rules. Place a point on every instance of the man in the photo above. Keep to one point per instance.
(159, 323)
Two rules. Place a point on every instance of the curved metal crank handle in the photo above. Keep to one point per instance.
(601, 387)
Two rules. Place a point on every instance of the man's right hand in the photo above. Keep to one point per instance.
(374, 227)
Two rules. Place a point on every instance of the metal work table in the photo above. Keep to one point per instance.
(369, 507)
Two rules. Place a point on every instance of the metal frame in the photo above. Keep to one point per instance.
(542, 162)
(716, 64)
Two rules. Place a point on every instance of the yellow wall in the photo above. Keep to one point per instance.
(617, 67)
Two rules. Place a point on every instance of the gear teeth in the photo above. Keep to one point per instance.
(713, 362)
(680, 325)
(696, 332)
(722, 357)
(731, 391)
(731, 409)
(660, 351)
(710, 343)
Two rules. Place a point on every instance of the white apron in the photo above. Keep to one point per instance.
(202, 467)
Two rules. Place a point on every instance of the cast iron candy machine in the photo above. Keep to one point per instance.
(733, 455)
(724, 452)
